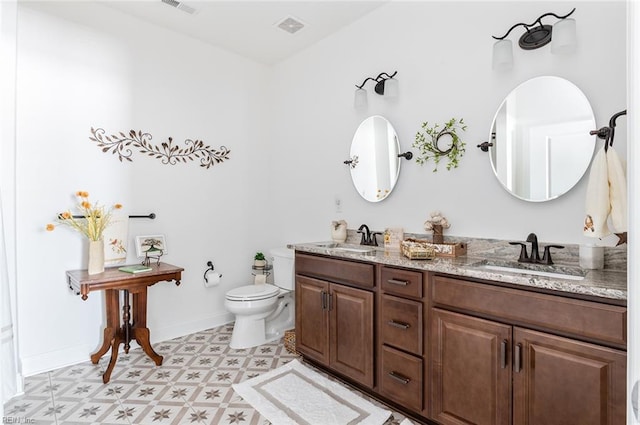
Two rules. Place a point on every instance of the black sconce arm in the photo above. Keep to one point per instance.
(365, 81)
(377, 79)
(537, 21)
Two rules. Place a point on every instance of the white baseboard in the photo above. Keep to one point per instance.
(181, 329)
(52, 360)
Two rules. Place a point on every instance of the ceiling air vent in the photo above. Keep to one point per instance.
(289, 24)
(181, 6)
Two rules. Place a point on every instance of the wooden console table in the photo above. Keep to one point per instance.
(112, 281)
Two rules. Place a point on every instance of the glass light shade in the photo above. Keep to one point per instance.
(563, 37)
(391, 88)
(502, 55)
(360, 99)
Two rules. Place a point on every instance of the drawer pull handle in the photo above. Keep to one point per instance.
(398, 282)
(400, 325)
(400, 378)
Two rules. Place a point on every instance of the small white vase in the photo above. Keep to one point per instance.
(339, 233)
(96, 257)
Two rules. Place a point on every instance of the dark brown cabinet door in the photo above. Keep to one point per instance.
(312, 322)
(471, 370)
(565, 382)
(351, 332)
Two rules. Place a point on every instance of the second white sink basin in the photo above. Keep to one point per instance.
(333, 246)
(527, 269)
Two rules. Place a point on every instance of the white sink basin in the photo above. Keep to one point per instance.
(528, 270)
(357, 250)
(333, 246)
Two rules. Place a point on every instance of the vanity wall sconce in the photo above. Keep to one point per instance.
(537, 35)
(386, 86)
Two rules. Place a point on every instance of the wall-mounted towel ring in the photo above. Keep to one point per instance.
(607, 133)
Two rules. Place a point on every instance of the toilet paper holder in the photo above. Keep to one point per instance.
(210, 269)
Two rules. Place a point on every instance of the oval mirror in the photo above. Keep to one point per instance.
(541, 141)
(374, 161)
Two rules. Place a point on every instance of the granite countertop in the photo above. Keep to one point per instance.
(610, 284)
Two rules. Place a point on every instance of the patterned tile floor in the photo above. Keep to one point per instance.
(193, 386)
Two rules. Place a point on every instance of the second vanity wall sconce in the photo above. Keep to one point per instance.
(386, 86)
(537, 35)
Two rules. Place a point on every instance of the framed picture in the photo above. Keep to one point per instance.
(151, 245)
(115, 240)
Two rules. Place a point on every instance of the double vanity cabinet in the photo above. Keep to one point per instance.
(449, 349)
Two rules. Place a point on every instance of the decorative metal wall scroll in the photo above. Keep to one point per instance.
(121, 144)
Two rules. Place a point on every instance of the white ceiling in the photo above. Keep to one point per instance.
(248, 28)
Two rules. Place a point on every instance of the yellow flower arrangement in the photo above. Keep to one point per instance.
(95, 218)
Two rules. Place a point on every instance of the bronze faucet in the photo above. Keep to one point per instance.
(535, 254)
(368, 237)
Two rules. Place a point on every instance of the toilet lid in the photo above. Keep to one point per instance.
(252, 292)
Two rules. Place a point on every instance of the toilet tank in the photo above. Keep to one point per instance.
(283, 268)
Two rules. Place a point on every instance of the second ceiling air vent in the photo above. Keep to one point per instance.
(180, 6)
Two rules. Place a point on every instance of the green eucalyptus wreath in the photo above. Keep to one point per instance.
(427, 143)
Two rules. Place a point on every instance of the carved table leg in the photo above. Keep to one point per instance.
(112, 304)
(126, 321)
(114, 356)
(139, 328)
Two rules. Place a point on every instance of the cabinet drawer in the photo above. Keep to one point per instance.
(333, 270)
(401, 379)
(401, 282)
(401, 323)
(594, 321)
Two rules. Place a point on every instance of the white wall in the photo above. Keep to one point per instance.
(119, 74)
(287, 142)
(442, 52)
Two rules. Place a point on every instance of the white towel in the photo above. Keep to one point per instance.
(597, 205)
(606, 195)
(617, 191)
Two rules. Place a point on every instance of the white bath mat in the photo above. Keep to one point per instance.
(297, 395)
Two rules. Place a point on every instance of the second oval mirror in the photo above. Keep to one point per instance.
(374, 161)
(541, 141)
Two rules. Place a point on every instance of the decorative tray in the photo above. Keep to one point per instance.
(420, 249)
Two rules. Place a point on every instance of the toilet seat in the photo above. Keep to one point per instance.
(253, 292)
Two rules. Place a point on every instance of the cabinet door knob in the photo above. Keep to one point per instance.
(323, 300)
(400, 325)
(398, 282)
(400, 378)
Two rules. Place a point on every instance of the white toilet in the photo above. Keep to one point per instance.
(263, 312)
